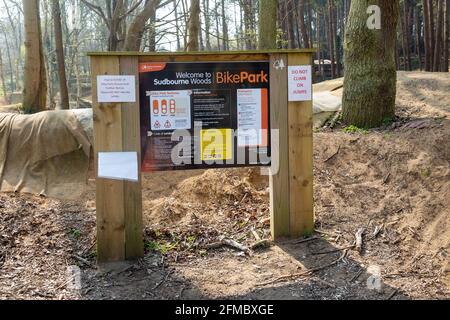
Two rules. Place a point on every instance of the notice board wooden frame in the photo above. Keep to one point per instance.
(116, 129)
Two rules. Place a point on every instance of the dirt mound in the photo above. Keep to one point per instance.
(207, 206)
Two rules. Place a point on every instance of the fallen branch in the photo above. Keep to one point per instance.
(392, 294)
(357, 275)
(359, 239)
(82, 260)
(306, 240)
(236, 245)
(334, 250)
(262, 243)
(227, 242)
(333, 121)
(333, 155)
(162, 281)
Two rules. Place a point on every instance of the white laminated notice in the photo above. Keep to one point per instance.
(118, 165)
(300, 83)
(116, 89)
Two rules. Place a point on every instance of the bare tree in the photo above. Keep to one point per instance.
(35, 81)
(59, 47)
(194, 26)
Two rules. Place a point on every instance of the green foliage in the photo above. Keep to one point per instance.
(388, 121)
(425, 173)
(161, 247)
(355, 129)
(75, 233)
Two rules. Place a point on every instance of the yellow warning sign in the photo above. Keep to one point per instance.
(216, 144)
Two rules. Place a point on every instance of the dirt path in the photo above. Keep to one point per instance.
(393, 181)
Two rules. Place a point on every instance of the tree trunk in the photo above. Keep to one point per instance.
(438, 42)
(152, 30)
(331, 39)
(247, 8)
(403, 37)
(194, 26)
(309, 24)
(432, 34)
(137, 26)
(207, 18)
(2, 79)
(177, 31)
(446, 35)
(418, 36)
(8, 53)
(301, 19)
(336, 42)
(35, 81)
(319, 45)
(224, 27)
(290, 24)
(267, 24)
(427, 34)
(63, 92)
(370, 71)
(406, 36)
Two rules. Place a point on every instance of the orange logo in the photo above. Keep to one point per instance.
(151, 66)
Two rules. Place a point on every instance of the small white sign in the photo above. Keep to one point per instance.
(118, 165)
(116, 89)
(300, 83)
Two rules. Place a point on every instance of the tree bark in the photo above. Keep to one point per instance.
(207, 18)
(224, 27)
(370, 70)
(427, 35)
(290, 23)
(331, 39)
(432, 34)
(418, 36)
(267, 24)
(438, 42)
(59, 47)
(446, 35)
(2, 79)
(35, 81)
(137, 26)
(301, 19)
(194, 26)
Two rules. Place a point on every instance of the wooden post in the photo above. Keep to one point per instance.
(119, 203)
(279, 178)
(291, 196)
(300, 124)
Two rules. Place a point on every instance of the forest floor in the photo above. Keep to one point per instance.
(393, 181)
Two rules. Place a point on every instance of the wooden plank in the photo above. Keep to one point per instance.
(300, 159)
(109, 193)
(279, 178)
(201, 53)
(208, 57)
(131, 141)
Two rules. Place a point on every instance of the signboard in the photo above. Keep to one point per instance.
(204, 115)
(116, 89)
(300, 83)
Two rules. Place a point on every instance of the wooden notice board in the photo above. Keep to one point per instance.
(118, 129)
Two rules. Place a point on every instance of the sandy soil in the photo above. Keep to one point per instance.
(392, 181)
